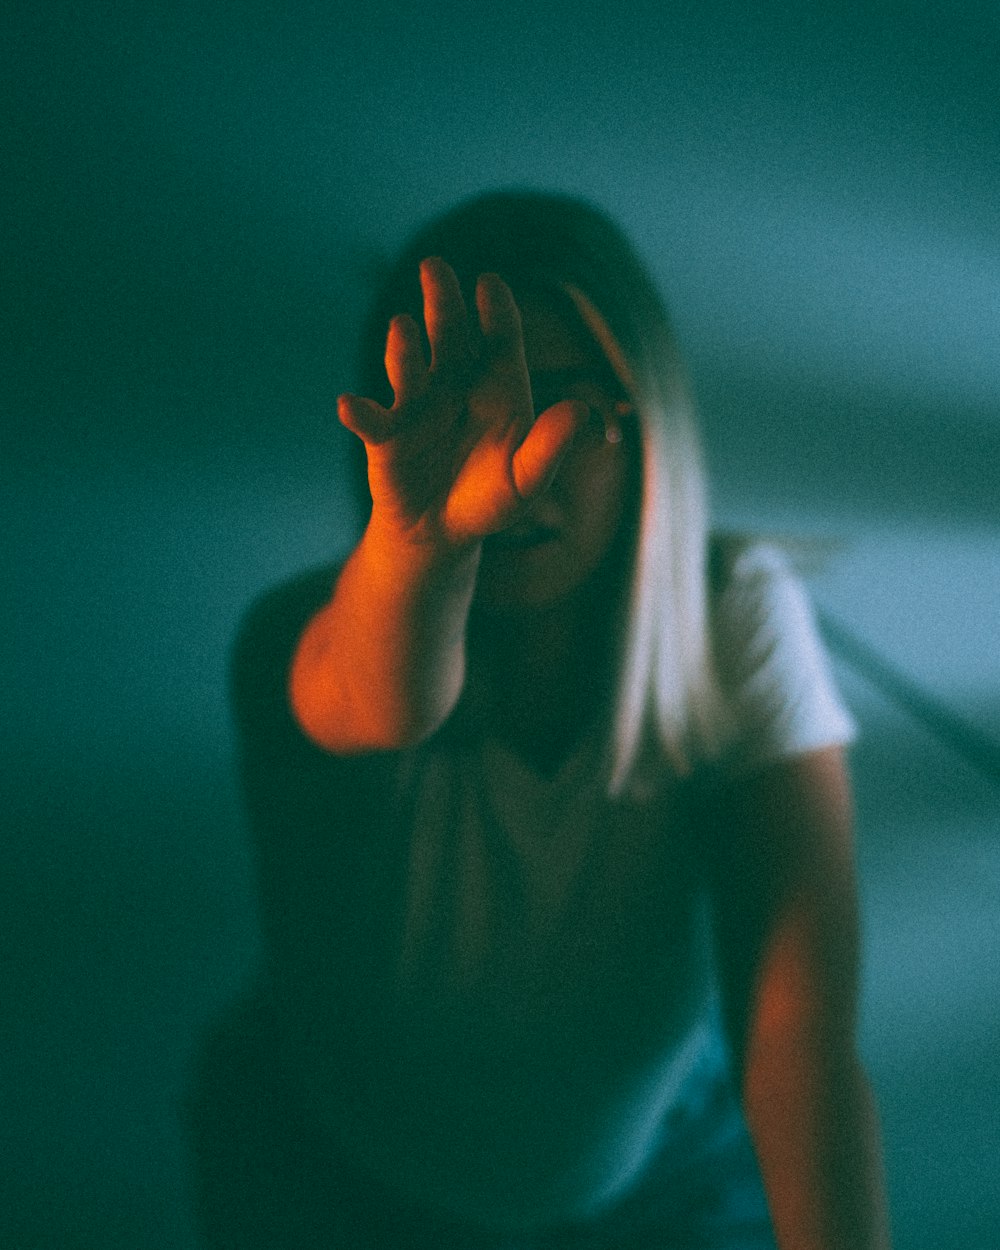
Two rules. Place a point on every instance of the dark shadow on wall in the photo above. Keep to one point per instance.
(126, 919)
(265, 1176)
(260, 1170)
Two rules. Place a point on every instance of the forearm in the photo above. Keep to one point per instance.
(381, 666)
(790, 941)
(815, 1128)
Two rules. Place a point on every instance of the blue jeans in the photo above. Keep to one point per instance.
(267, 1178)
(702, 1191)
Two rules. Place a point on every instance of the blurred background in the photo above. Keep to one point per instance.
(195, 198)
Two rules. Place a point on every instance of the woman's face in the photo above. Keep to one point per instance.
(573, 524)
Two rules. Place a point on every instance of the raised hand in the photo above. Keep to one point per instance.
(460, 454)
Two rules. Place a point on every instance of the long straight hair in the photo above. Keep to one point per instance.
(669, 706)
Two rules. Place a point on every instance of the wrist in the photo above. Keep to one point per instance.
(419, 548)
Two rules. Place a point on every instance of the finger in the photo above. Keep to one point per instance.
(537, 459)
(503, 340)
(370, 421)
(445, 315)
(499, 316)
(404, 359)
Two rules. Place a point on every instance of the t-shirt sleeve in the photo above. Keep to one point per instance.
(772, 664)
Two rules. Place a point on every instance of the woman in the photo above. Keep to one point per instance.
(553, 824)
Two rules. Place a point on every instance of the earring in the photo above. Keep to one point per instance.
(613, 429)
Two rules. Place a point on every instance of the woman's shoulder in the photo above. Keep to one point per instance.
(768, 649)
(735, 558)
(738, 556)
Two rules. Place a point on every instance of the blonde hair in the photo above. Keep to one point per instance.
(668, 703)
(668, 694)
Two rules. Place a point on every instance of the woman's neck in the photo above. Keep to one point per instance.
(546, 672)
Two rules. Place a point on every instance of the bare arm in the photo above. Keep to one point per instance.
(789, 949)
(458, 456)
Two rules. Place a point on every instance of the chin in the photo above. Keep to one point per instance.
(503, 586)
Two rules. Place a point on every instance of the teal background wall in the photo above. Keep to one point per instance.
(194, 199)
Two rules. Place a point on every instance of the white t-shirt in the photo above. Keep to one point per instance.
(772, 663)
(495, 1002)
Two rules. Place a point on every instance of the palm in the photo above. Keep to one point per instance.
(460, 453)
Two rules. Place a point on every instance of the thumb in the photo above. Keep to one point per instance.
(535, 462)
(370, 421)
